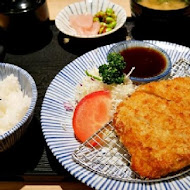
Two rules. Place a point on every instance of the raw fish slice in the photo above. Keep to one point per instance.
(84, 21)
(84, 25)
(75, 25)
(93, 30)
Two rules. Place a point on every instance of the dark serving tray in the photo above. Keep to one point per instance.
(30, 159)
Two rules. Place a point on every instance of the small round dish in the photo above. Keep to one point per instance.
(150, 61)
(28, 87)
(88, 7)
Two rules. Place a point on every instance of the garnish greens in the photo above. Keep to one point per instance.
(113, 71)
(92, 76)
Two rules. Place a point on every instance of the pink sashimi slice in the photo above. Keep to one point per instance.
(73, 20)
(75, 25)
(93, 30)
(84, 25)
(84, 21)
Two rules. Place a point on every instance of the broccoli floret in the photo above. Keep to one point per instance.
(113, 71)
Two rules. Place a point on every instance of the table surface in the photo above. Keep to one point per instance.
(30, 165)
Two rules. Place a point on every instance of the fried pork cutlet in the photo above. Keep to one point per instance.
(176, 90)
(154, 126)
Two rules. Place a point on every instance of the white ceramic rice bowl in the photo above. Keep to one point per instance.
(91, 7)
(28, 86)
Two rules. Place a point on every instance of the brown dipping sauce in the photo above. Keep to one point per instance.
(147, 62)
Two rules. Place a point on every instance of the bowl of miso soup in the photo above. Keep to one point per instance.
(164, 4)
(161, 19)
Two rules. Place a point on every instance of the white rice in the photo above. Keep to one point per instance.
(13, 103)
(118, 91)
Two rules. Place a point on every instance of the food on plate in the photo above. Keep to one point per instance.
(113, 71)
(107, 19)
(87, 24)
(83, 20)
(91, 89)
(93, 82)
(13, 103)
(176, 90)
(153, 124)
(164, 4)
(91, 113)
(84, 25)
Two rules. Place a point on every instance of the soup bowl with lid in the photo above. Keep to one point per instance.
(145, 62)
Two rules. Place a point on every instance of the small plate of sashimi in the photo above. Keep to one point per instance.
(90, 19)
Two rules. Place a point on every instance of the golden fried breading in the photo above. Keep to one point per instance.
(169, 89)
(154, 126)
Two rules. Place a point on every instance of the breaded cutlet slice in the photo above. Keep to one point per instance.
(177, 89)
(155, 131)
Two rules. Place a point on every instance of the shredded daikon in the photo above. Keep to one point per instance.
(118, 91)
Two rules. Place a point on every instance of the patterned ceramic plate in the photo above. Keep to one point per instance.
(56, 121)
(90, 7)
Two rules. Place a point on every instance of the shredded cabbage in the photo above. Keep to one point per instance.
(118, 91)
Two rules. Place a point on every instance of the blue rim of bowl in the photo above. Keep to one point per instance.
(32, 104)
(134, 43)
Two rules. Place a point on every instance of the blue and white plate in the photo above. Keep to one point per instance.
(56, 121)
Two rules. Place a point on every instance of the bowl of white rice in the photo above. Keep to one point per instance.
(18, 96)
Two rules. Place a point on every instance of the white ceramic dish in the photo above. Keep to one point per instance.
(91, 7)
(57, 121)
(28, 87)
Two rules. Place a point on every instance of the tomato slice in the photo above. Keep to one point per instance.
(91, 113)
